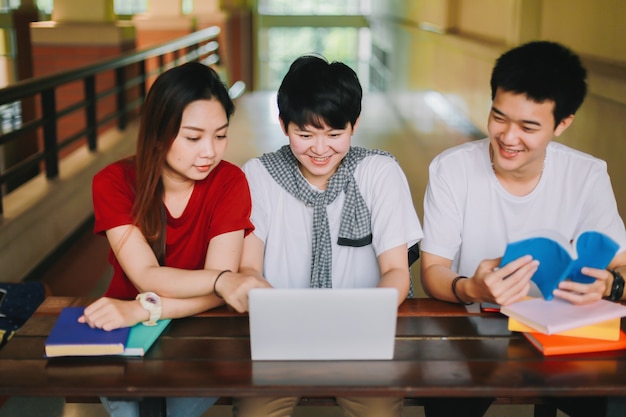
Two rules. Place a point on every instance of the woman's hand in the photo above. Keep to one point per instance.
(234, 288)
(110, 313)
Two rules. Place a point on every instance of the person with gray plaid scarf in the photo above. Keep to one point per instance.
(327, 214)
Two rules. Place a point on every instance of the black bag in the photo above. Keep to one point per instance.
(18, 301)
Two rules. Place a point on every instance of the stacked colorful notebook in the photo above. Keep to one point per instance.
(68, 337)
(557, 327)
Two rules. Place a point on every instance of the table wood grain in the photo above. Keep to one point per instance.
(441, 350)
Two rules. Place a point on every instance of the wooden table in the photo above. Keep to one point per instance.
(442, 350)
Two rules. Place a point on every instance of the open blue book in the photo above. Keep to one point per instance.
(559, 260)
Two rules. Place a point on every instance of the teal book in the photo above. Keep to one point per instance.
(559, 260)
(141, 337)
(68, 337)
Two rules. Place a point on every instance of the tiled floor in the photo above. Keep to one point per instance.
(414, 127)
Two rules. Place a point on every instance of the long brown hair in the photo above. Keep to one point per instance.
(160, 122)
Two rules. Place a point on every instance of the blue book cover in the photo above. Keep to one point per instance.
(559, 260)
(141, 337)
(68, 337)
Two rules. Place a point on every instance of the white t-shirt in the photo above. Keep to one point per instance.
(469, 216)
(285, 225)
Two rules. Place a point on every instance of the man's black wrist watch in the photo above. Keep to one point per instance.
(617, 289)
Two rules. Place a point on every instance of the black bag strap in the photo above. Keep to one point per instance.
(414, 253)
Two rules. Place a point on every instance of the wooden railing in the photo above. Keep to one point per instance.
(111, 91)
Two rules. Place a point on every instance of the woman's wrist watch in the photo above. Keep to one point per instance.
(617, 289)
(151, 302)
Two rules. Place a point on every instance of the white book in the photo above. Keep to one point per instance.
(558, 315)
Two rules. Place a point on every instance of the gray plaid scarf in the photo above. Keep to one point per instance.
(355, 228)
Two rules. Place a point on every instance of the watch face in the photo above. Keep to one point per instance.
(151, 299)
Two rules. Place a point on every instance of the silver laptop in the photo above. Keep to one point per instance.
(323, 324)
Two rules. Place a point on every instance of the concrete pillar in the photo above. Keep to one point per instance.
(94, 11)
(207, 13)
(236, 41)
(165, 8)
(206, 7)
(80, 33)
(162, 22)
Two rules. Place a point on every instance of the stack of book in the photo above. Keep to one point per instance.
(557, 327)
(68, 337)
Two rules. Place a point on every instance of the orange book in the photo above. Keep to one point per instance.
(565, 345)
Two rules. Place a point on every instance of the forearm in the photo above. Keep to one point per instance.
(437, 282)
(394, 271)
(142, 268)
(251, 271)
(177, 283)
(111, 313)
(399, 279)
(176, 308)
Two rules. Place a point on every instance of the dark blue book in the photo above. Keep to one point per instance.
(68, 337)
(559, 260)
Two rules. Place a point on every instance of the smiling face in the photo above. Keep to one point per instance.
(319, 151)
(520, 130)
(200, 143)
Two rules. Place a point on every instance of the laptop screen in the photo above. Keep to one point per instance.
(322, 324)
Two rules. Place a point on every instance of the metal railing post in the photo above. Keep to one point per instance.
(90, 113)
(120, 81)
(48, 110)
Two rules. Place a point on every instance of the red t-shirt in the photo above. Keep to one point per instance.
(218, 204)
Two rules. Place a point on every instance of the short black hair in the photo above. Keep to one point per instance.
(315, 92)
(543, 70)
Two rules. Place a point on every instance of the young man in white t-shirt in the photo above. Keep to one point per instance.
(518, 182)
(327, 214)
